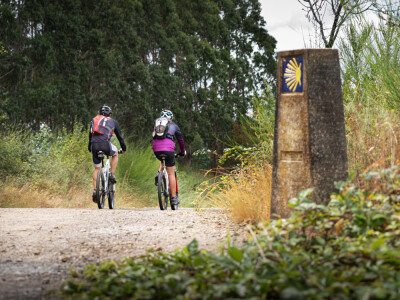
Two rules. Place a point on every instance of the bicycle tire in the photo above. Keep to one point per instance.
(111, 195)
(100, 193)
(162, 192)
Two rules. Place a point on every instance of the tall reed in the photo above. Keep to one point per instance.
(371, 86)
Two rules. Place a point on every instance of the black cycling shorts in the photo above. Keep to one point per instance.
(108, 148)
(169, 160)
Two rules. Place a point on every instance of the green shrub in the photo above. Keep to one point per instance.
(60, 161)
(45, 159)
(203, 158)
(15, 151)
(349, 249)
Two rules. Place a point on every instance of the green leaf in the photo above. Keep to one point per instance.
(198, 261)
(305, 193)
(235, 253)
(291, 293)
(377, 243)
(193, 247)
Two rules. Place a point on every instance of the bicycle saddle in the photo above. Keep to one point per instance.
(163, 156)
(100, 154)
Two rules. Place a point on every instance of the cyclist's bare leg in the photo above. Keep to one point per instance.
(172, 180)
(96, 170)
(160, 167)
(114, 162)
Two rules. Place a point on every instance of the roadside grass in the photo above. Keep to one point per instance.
(244, 193)
(189, 180)
(135, 171)
(373, 138)
(371, 77)
(15, 196)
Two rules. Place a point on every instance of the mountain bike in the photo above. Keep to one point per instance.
(164, 193)
(104, 187)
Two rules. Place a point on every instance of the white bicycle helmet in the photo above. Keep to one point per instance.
(167, 113)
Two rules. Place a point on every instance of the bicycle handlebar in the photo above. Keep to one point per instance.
(120, 151)
(179, 154)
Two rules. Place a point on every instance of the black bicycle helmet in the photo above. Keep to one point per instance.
(105, 111)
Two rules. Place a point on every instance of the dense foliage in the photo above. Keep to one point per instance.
(348, 249)
(203, 59)
(44, 159)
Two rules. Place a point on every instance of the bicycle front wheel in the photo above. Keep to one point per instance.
(100, 190)
(162, 192)
(111, 195)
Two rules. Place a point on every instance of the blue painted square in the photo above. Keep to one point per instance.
(292, 75)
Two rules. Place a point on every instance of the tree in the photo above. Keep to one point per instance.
(328, 16)
(388, 11)
(204, 60)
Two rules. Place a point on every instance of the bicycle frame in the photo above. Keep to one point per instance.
(106, 174)
(166, 176)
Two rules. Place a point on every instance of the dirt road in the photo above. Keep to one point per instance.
(38, 246)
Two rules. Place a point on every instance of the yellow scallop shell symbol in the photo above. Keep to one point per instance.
(293, 74)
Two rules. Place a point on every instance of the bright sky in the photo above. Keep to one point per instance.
(287, 23)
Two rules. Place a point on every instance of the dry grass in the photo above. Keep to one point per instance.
(12, 196)
(247, 194)
(373, 139)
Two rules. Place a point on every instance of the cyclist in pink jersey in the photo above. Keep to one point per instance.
(167, 146)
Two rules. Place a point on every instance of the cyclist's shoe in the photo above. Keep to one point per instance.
(112, 178)
(175, 201)
(94, 197)
(156, 178)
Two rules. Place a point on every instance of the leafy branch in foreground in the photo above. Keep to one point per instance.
(348, 249)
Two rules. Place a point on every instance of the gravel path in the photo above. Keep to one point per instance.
(38, 246)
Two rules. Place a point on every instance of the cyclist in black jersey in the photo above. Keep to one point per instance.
(101, 131)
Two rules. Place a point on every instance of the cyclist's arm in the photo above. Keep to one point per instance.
(117, 131)
(90, 138)
(179, 138)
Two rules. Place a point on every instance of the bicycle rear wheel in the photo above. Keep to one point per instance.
(162, 192)
(111, 195)
(100, 190)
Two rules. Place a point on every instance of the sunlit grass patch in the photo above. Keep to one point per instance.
(246, 193)
(26, 196)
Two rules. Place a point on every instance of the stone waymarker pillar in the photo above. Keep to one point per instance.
(310, 142)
